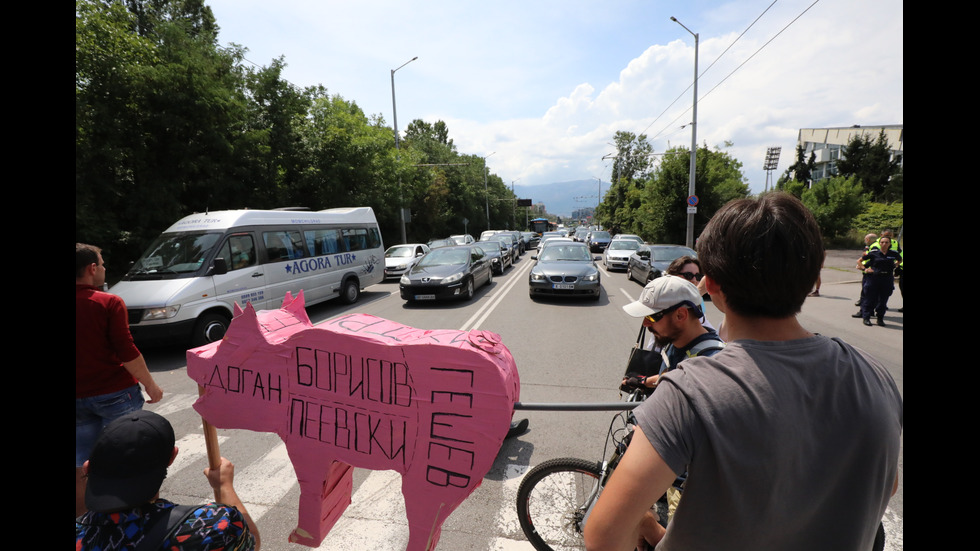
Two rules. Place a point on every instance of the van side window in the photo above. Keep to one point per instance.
(356, 239)
(322, 242)
(283, 245)
(239, 251)
(373, 238)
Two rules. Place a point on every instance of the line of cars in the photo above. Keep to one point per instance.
(455, 266)
(563, 266)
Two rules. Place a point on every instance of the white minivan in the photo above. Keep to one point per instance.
(186, 284)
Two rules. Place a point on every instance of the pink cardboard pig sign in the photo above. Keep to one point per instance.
(366, 392)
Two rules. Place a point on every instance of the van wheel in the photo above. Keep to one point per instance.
(209, 328)
(350, 290)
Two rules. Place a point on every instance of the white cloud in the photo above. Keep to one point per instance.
(545, 85)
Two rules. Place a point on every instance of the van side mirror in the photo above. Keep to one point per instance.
(219, 267)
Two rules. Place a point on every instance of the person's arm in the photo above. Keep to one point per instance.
(622, 515)
(137, 368)
(222, 480)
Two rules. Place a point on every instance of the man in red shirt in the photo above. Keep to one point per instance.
(108, 366)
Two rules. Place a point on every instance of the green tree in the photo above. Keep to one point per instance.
(268, 156)
(108, 85)
(155, 102)
(631, 167)
(662, 216)
(835, 203)
(871, 162)
(350, 161)
(798, 175)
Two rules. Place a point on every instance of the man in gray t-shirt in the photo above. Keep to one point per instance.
(791, 440)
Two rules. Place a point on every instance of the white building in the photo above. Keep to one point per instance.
(828, 144)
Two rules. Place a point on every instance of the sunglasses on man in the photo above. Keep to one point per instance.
(691, 277)
(655, 317)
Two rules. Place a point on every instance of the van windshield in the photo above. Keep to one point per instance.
(173, 254)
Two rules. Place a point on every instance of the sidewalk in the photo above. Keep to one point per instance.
(839, 266)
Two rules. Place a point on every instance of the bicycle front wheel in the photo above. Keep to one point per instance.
(552, 501)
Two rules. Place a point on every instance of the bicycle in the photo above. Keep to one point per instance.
(555, 498)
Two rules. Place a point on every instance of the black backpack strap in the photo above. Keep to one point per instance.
(162, 524)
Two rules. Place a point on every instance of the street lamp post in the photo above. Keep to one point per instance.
(694, 139)
(394, 113)
(486, 190)
(513, 214)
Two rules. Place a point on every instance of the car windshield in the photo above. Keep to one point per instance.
(568, 252)
(666, 254)
(489, 249)
(600, 235)
(400, 252)
(174, 253)
(445, 257)
(624, 244)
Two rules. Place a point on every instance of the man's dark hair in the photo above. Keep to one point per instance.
(765, 253)
(85, 255)
(678, 263)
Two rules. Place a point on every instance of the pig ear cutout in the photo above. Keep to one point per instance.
(296, 307)
(245, 322)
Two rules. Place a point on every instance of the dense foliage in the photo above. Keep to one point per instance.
(653, 203)
(167, 123)
(835, 203)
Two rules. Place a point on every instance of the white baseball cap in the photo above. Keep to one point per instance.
(663, 293)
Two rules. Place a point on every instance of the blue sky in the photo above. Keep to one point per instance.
(543, 86)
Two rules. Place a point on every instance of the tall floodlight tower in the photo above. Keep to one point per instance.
(772, 159)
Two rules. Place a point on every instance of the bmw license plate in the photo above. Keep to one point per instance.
(563, 286)
(425, 297)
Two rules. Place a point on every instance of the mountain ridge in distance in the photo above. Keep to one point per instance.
(561, 198)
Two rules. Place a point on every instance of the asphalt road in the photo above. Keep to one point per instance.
(566, 351)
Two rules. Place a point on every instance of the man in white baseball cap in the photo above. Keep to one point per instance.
(670, 308)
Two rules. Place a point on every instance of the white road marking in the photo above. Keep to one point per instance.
(481, 315)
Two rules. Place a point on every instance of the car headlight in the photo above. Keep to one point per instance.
(594, 276)
(537, 276)
(405, 280)
(163, 313)
(453, 278)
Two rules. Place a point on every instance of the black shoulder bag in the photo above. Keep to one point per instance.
(642, 362)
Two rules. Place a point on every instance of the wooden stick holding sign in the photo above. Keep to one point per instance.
(211, 442)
